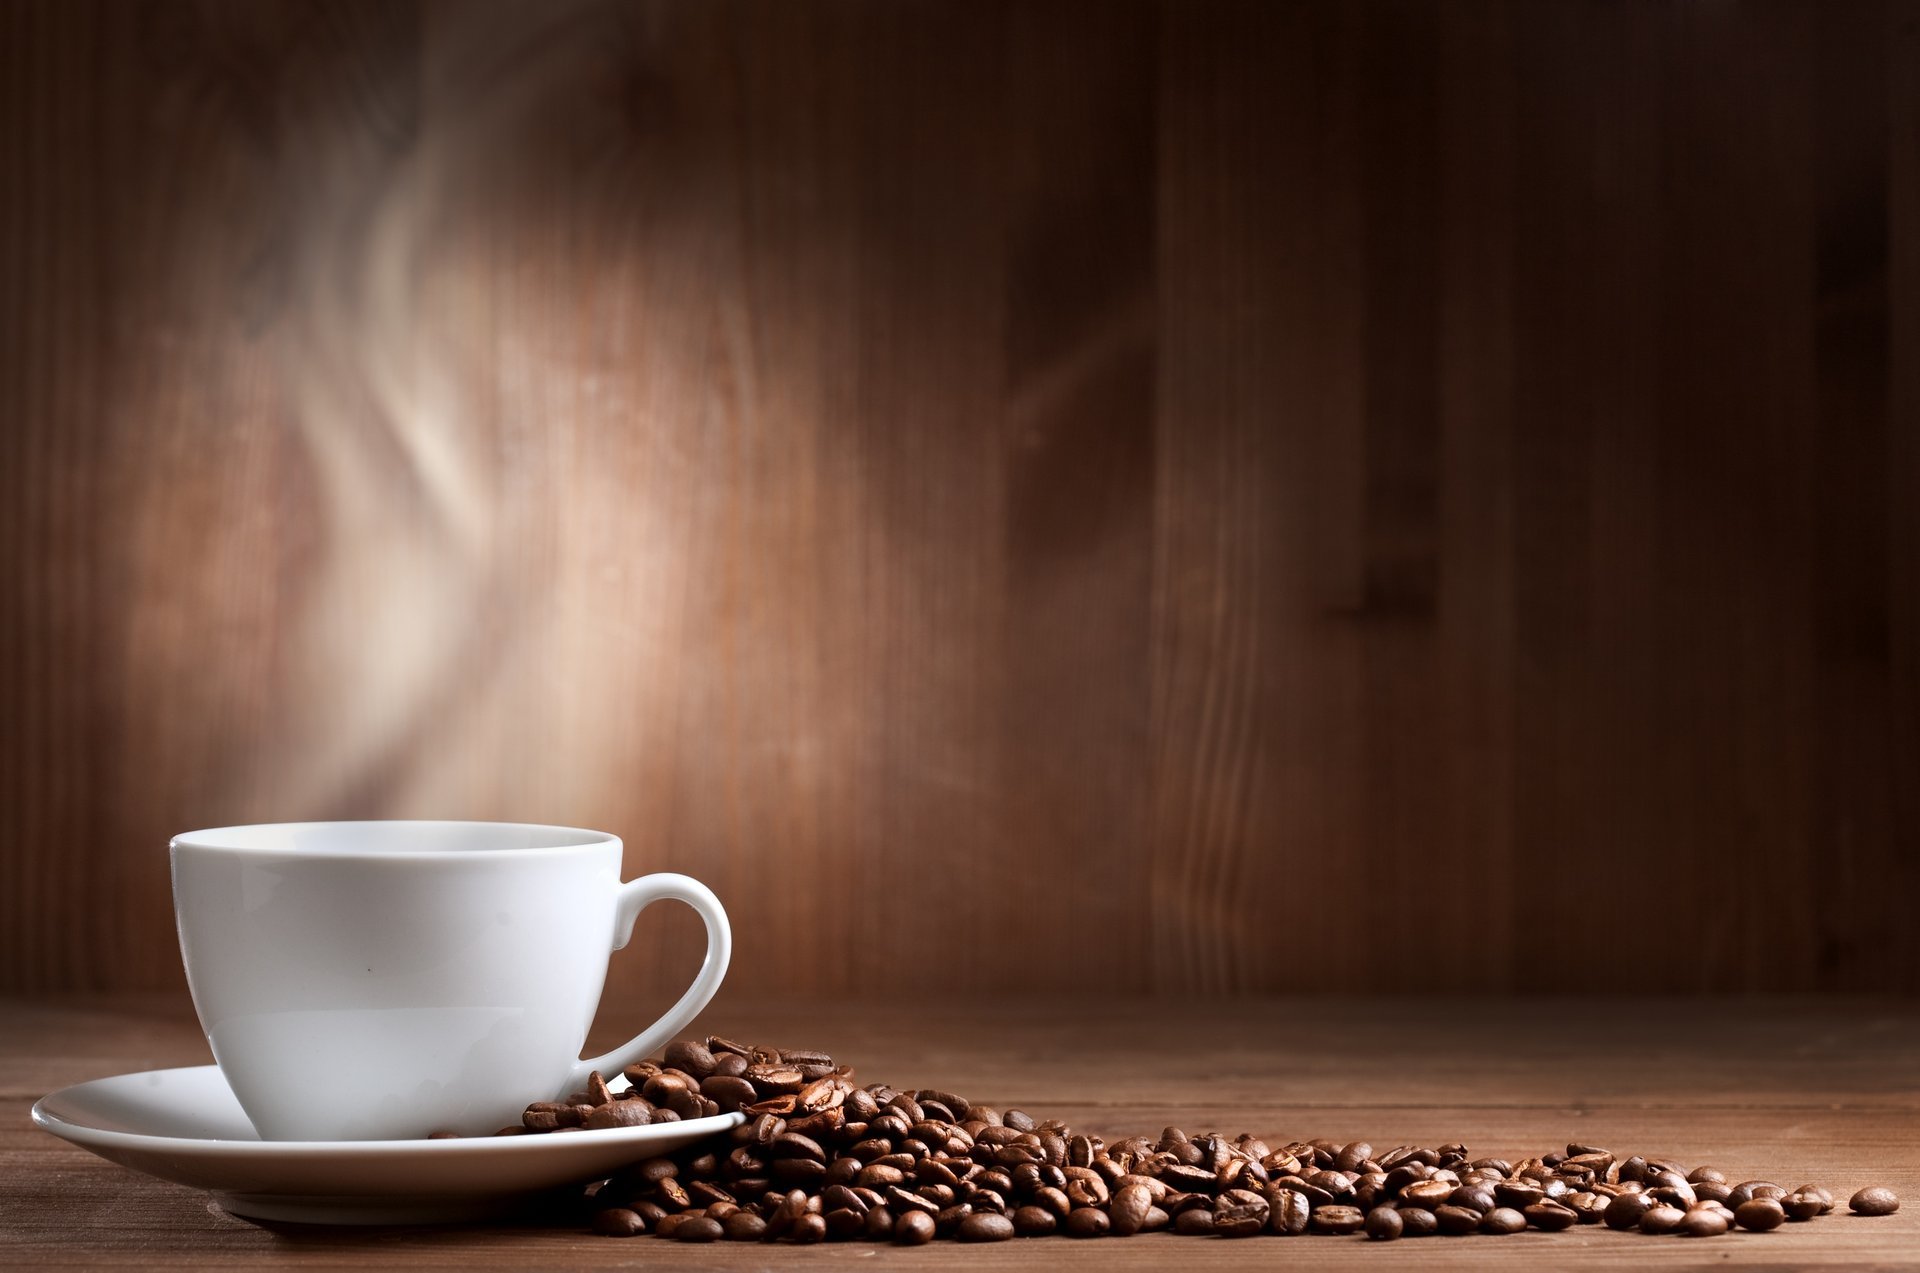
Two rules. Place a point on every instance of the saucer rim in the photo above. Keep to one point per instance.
(88, 1136)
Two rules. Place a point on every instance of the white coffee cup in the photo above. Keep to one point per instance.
(385, 980)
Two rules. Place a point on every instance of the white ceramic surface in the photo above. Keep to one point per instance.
(384, 980)
(185, 1125)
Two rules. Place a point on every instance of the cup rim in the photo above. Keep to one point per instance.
(249, 835)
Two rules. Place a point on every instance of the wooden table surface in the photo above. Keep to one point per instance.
(1794, 1090)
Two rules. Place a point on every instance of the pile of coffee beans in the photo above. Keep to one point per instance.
(822, 1159)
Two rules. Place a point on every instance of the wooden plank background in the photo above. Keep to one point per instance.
(1056, 497)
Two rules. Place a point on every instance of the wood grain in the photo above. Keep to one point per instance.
(1183, 497)
(1814, 1089)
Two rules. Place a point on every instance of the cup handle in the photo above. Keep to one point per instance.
(636, 896)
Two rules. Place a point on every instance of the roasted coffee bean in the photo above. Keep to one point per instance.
(704, 1193)
(795, 1145)
(1428, 1193)
(1711, 1190)
(1196, 1223)
(1189, 1179)
(1673, 1191)
(915, 1228)
(808, 1229)
(834, 1197)
(774, 1080)
(1877, 1200)
(1352, 1155)
(744, 1226)
(729, 1092)
(880, 1175)
(824, 1094)
(1807, 1202)
(1034, 1222)
(547, 1116)
(902, 1202)
(618, 1114)
(699, 1229)
(1586, 1207)
(1455, 1220)
(1128, 1210)
(1384, 1224)
(1502, 1220)
(1518, 1194)
(1332, 1219)
(1703, 1222)
(1748, 1189)
(801, 1173)
(667, 1226)
(689, 1058)
(1474, 1197)
(984, 1226)
(1550, 1216)
(1241, 1218)
(1086, 1189)
(1760, 1214)
(1662, 1219)
(1626, 1210)
(1086, 1222)
(1287, 1213)
(618, 1222)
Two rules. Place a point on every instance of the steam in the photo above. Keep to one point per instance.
(409, 613)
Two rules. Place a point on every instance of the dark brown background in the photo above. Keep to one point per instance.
(1044, 496)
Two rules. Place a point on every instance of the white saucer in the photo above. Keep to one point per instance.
(185, 1125)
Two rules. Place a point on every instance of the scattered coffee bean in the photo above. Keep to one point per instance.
(915, 1228)
(1807, 1202)
(1760, 1214)
(1246, 1215)
(1712, 1190)
(1038, 1222)
(1333, 1219)
(1875, 1201)
(618, 1222)
(700, 1229)
(1626, 1210)
(1747, 1190)
(1502, 1220)
(822, 1159)
(1550, 1216)
(1662, 1219)
(984, 1226)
